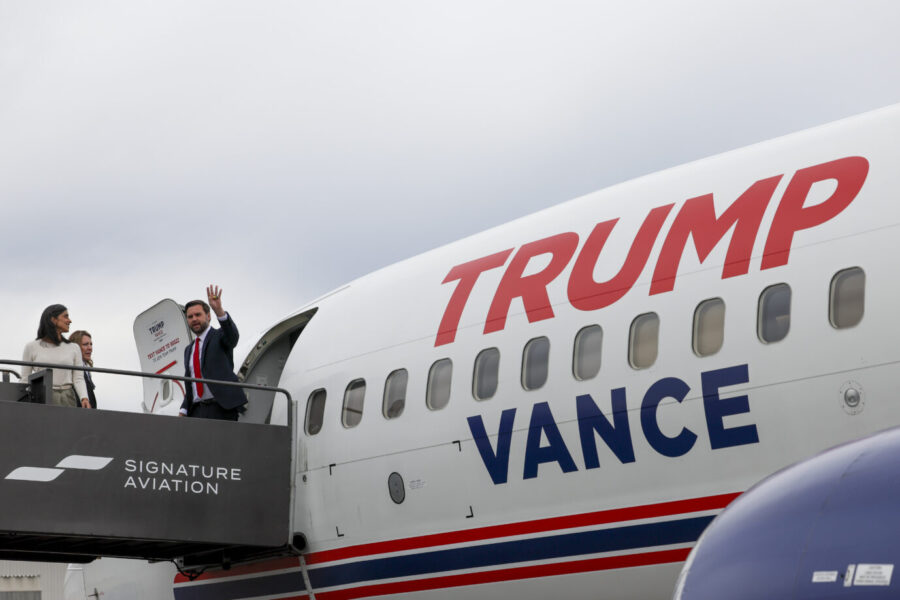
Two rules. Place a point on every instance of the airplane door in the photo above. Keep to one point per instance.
(161, 334)
(264, 366)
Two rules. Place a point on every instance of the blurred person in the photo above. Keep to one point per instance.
(86, 343)
(51, 346)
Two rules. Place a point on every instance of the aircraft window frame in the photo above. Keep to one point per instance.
(643, 341)
(707, 324)
(319, 414)
(482, 372)
(584, 348)
(535, 367)
(393, 403)
(772, 328)
(439, 390)
(838, 298)
(351, 414)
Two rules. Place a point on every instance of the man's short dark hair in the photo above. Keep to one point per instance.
(197, 303)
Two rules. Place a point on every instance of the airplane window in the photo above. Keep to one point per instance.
(354, 395)
(709, 327)
(774, 320)
(848, 298)
(484, 381)
(315, 412)
(643, 343)
(586, 353)
(395, 394)
(438, 393)
(535, 360)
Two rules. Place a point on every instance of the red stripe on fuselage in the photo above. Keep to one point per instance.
(632, 513)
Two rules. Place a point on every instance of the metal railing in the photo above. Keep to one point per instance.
(6, 373)
(248, 386)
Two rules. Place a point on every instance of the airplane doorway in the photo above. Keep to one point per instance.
(264, 366)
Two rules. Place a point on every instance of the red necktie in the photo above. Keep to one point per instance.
(197, 368)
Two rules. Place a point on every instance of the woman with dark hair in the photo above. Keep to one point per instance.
(51, 346)
(86, 344)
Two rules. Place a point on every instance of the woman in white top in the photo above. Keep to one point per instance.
(51, 347)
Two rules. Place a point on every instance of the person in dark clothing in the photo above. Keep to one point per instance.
(86, 343)
(211, 356)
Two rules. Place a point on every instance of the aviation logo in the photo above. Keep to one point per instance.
(161, 476)
(141, 475)
(73, 461)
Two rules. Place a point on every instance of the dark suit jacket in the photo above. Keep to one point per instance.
(89, 382)
(216, 362)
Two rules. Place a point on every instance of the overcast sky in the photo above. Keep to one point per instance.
(280, 149)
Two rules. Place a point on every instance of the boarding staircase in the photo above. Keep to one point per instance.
(79, 484)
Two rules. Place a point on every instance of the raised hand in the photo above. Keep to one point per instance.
(214, 293)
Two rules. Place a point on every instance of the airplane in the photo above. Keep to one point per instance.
(822, 528)
(559, 406)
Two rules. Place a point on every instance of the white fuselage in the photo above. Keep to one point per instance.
(589, 506)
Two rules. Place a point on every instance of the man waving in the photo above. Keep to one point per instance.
(211, 356)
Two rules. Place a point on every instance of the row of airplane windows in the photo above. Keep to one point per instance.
(846, 308)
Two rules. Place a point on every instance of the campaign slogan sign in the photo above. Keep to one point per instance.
(161, 334)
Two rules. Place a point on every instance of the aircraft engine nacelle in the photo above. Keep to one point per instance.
(827, 527)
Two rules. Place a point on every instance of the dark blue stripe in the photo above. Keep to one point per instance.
(426, 563)
(545, 548)
(282, 583)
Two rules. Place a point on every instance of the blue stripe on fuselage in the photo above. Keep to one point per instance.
(543, 548)
(567, 545)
